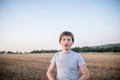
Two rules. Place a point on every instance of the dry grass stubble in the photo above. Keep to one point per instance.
(34, 66)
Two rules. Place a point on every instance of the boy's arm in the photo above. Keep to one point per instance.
(85, 73)
(50, 72)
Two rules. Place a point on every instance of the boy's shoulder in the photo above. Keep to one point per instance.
(75, 53)
(71, 52)
(58, 52)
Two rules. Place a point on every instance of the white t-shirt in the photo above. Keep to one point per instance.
(67, 65)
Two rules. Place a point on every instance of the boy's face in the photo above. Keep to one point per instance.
(66, 42)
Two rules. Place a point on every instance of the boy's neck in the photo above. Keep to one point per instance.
(66, 51)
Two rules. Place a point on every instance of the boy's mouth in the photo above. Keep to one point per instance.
(66, 45)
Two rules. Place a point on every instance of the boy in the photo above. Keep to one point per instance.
(67, 62)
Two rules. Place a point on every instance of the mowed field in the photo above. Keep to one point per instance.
(34, 66)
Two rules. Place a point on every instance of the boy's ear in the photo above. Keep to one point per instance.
(72, 42)
(59, 41)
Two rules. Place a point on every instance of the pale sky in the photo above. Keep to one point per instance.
(27, 25)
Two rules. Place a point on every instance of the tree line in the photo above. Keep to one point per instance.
(43, 51)
(103, 48)
(96, 49)
(85, 49)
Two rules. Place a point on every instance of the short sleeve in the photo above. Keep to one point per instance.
(81, 61)
(53, 60)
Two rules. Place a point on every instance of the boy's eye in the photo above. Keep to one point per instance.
(63, 39)
(69, 39)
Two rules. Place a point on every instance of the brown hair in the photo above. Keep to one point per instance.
(66, 33)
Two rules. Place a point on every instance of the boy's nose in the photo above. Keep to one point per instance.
(66, 41)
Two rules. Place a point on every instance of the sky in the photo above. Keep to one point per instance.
(27, 25)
